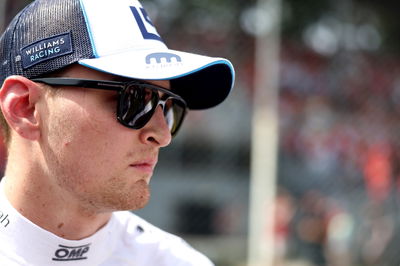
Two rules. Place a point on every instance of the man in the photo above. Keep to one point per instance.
(90, 94)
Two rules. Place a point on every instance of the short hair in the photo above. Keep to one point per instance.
(5, 128)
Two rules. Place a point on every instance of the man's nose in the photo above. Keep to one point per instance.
(156, 131)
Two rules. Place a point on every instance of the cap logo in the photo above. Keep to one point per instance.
(163, 61)
(146, 35)
(46, 49)
(159, 56)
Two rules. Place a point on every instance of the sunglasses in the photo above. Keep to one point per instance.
(137, 100)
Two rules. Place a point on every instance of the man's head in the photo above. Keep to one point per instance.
(75, 139)
(113, 59)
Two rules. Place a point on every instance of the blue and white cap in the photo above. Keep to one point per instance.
(112, 36)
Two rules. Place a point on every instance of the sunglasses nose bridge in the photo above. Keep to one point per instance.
(165, 110)
(162, 103)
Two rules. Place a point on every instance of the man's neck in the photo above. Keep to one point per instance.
(32, 194)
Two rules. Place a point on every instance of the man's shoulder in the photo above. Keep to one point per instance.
(140, 229)
(160, 246)
(135, 225)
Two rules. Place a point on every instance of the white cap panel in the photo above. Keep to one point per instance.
(125, 27)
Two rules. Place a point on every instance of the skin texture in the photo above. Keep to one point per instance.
(71, 164)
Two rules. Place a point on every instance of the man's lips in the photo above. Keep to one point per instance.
(146, 166)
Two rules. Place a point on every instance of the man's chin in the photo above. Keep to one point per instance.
(137, 202)
(134, 198)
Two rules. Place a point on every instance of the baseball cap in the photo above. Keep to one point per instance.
(111, 36)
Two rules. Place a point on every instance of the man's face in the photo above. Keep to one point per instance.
(91, 158)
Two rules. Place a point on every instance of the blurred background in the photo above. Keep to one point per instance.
(335, 192)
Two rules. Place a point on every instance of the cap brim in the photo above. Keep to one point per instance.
(202, 81)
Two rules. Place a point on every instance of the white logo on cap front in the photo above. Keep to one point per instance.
(116, 26)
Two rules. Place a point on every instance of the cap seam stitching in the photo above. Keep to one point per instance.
(10, 70)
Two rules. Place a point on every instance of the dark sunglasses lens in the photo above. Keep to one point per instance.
(138, 103)
(174, 112)
(136, 106)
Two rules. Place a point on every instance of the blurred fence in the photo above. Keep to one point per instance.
(339, 159)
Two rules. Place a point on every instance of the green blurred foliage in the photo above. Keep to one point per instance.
(388, 11)
(298, 14)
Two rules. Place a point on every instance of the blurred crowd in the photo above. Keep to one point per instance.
(339, 158)
(339, 152)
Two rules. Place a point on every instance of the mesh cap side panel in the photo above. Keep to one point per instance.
(44, 19)
(6, 42)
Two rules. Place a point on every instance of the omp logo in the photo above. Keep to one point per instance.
(159, 56)
(65, 253)
(4, 221)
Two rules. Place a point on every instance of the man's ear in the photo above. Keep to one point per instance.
(18, 98)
